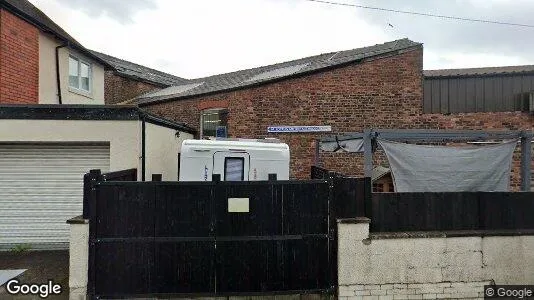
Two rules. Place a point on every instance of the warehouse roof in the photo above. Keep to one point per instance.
(266, 74)
(479, 71)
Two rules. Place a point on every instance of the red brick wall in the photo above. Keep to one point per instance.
(118, 89)
(381, 93)
(19, 60)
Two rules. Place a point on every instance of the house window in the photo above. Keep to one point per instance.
(378, 188)
(210, 120)
(234, 169)
(79, 74)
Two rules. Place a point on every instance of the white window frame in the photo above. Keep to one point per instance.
(80, 62)
(209, 110)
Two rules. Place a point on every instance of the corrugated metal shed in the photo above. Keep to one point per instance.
(478, 89)
(379, 172)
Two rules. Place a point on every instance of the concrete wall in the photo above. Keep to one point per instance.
(162, 148)
(122, 136)
(429, 267)
(48, 93)
(78, 258)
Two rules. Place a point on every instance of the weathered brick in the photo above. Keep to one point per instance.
(19, 60)
(378, 292)
(362, 293)
(119, 88)
(372, 287)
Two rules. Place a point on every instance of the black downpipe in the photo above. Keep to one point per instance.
(143, 143)
(58, 80)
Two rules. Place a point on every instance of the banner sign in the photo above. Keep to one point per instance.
(292, 129)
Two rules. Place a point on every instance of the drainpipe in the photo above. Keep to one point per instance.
(143, 145)
(58, 81)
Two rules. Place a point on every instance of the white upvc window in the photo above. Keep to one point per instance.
(80, 74)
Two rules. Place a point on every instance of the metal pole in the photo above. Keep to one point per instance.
(526, 160)
(316, 159)
(367, 153)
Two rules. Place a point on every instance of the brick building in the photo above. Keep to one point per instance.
(40, 63)
(373, 87)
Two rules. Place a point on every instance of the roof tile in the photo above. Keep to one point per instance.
(244, 78)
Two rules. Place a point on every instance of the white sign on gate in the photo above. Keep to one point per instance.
(291, 129)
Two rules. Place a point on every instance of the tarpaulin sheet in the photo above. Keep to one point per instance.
(422, 168)
(354, 145)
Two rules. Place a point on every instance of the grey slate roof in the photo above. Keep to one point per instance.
(479, 71)
(139, 72)
(260, 75)
(28, 11)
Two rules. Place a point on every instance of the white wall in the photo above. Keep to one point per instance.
(78, 259)
(47, 75)
(162, 148)
(430, 267)
(122, 136)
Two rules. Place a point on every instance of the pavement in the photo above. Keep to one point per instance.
(41, 266)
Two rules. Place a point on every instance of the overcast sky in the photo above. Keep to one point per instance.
(197, 38)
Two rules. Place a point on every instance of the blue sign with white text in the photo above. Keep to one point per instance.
(289, 129)
(221, 132)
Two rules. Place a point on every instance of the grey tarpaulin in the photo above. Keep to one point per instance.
(422, 168)
(354, 145)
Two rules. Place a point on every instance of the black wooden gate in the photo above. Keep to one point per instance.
(171, 238)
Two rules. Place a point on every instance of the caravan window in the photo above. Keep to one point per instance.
(234, 169)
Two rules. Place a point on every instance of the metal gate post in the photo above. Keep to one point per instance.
(526, 160)
(94, 177)
(332, 234)
(367, 153)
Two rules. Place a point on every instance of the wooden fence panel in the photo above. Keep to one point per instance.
(452, 211)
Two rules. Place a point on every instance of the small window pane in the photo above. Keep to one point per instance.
(85, 73)
(234, 169)
(73, 72)
(212, 119)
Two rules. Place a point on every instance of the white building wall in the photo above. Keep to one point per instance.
(48, 93)
(429, 267)
(121, 135)
(162, 148)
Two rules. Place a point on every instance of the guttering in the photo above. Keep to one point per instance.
(58, 80)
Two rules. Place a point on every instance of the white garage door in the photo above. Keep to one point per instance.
(41, 187)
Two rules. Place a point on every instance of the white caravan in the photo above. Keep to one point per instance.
(233, 159)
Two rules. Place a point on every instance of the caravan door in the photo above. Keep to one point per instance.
(232, 166)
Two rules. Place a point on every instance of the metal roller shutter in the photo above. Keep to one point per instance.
(41, 187)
